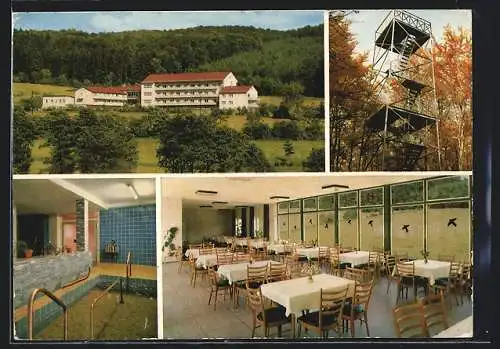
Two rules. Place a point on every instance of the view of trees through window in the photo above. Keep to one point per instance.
(432, 214)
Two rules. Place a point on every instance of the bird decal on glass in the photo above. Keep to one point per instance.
(370, 223)
(405, 227)
(310, 221)
(452, 221)
(326, 225)
(348, 221)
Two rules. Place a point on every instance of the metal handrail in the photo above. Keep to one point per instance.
(128, 269)
(78, 280)
(92, 306)
(31, 310)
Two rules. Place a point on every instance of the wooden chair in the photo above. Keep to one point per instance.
(390, 272)
(464, 286)
(435, 314)
(256, 276)
(223, 259)
(449, 285)
(217, 285)
(205, 251)
(277, 272)
(359, 275)
(409, 321)
(329, 315)
(265, 317)
(406, 279)
(357, 308)
(372, 265)
(181, 259)
(221, 250)
(294, 267)
(196, 270)
(241, 258)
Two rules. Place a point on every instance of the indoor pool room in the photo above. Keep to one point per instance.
(84, 255)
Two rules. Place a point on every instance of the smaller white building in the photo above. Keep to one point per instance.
(57, 101)
(234, 97)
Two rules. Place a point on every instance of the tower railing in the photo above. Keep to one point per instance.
(31, 310)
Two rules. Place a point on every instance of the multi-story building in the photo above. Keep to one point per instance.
(57, 101)
(116, 96)
(191, 90)
(233, 97)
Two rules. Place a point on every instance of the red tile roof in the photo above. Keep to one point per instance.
(235, 89)
(205, 76)
(119, 90)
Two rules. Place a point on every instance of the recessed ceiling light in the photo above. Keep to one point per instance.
(336, 186)
(219, 202)
(133, 191)
(206, 192)
(279, 197)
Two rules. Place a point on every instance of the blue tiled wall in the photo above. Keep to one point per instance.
(134, 229)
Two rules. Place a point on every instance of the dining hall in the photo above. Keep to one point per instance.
(317, 256)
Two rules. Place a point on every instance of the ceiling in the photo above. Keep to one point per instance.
(55, 195)
(248, 190)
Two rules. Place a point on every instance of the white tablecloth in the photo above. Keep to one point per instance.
(355, 258)
(194, 253)
(241, 242)
(238, 271)
(299, 294)
(432, 269)
(257, 244)
(462, 329)
(308, 252)
(278, 248)
(206, 260)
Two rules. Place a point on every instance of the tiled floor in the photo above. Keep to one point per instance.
(188, 316)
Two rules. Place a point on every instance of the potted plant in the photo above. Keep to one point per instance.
(23, 250)
(169, 241)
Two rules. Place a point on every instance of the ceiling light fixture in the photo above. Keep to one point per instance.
(133, 191)
(206, 192)
(219, 202)
(279, 197)
(336, 186)
(206, 206)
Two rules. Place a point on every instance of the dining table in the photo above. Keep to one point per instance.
(462, 329)
(303, 293)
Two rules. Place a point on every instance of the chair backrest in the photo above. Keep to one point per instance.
(373, 258)
(277, 272)
(434, 309)
(390, 264)
(455, 269)
(287, 248)
(406, 269)
(324, 252)
(359, 275)
(409, 321)
(362, 294)
(255, 301)
(205, 251)
(220, 250)
(332, 304)
(257, 273)
(195, 246)
(224, 258)
(241, 258)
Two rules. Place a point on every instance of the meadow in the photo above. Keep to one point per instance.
(147, 162)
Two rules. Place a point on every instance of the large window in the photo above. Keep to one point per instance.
(310, 222)
(448, 230)
(326, 228)
(348, 227)
(294, 231)
(371, 228)
(407, 230)
(283, 227)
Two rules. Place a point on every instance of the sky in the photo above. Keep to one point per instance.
(134, 20)
(365, 23)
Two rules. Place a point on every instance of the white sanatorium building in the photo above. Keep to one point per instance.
(208, 89)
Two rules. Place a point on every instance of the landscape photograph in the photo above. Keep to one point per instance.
(177, 92)
(400, 90)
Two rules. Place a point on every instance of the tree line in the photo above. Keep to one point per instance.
(268, 59)
(91, 142)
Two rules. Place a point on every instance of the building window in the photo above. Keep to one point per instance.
(148, 85)
(148, 93)
(79, 99)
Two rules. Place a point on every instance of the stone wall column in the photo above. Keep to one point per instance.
(80, 225)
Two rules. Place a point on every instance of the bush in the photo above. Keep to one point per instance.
(257, 130)
(287, 130)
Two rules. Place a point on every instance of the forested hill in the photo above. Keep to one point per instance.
(270, 58)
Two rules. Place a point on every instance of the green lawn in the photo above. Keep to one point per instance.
(24, 90)
(276, 100)
(148, 164)
(274, 148)
(238, 121)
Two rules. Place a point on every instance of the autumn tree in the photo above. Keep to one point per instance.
(453, 71)
(350, 94)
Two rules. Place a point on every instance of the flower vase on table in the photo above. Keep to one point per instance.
(426, 255)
